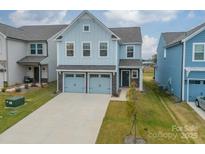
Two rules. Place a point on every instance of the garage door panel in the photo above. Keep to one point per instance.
(100, 83)
(74, 83)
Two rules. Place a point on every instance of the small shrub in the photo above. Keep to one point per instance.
(6, 84)
(3, 90)
(18, 89)
(26, 86)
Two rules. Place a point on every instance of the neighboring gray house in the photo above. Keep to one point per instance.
(92, 58)
(28, 51)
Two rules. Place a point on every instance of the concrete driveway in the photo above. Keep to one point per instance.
(198, 110)
(67, 118)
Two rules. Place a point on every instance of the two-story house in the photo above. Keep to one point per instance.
(181, 63)
(92, 58)
(28, 52)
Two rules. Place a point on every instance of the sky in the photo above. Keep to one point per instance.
(152, 23)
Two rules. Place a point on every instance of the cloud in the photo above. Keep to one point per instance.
(139, 17)
(20, 18)
(149, 46)
(191, 14)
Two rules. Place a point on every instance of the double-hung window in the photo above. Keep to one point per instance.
(33, 49)
(40, 48)
(103, 49)
(36, 48)
(130, 51)
(198, 51)
(86, 49)
(70, 49)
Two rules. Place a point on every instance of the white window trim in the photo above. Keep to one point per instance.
(165, 53)
(133, 51)
(193, 52)
(86, 25)
(99, 49)
(82, 49)
(137, 75)
(36, 49)
(73, 49)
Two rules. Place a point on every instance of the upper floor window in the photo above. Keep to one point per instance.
(103, 49)
(198, 52)
(165, 53)
(86, 28)
(40, 48)
(130, 51)
(70, 49)
(86, 49)
(36, 48)
(33, 48)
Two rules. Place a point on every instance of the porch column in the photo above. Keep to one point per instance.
(187, 92)
(141, 80)
(57, 88)
(39, 66)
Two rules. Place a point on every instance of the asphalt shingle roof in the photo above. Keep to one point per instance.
(175, 37)
(130, 62)
(31, 59)
(128, 34)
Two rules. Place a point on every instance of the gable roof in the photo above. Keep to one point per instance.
(172, 38)
(128, 34)
(28, 33)
(92, 16)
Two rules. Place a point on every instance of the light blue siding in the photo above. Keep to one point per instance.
(97, 33)
(137, 51)
(189, 46)
(168, 72)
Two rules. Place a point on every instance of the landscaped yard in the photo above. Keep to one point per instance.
(35, 97)
(159, 119)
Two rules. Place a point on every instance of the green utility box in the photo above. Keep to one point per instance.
(15, 101)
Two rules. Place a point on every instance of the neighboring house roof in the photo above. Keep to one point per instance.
(31, 33)
(130, 62)
(128, 34)
(42, 32)
(31, 60)
(12, 32)
(172, 38)
(86, 67)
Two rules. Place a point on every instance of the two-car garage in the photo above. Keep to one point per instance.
(87, 82)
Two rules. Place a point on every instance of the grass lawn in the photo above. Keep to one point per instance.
(159, 119)
(35, 97)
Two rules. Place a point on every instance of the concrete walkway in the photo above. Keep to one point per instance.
(122, 96)
(198, 110)
(68, 118)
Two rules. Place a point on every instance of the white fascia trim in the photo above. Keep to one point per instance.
(189, 69)
(92, 16)
(3, 35)
(183, 67)
(130, 66)
(194, 34)
(64, 70)
(130, 43)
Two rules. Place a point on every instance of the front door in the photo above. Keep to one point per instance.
(36, 74)
(125, 78)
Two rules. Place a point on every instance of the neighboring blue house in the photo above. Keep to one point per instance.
(92, 58)
(181, 63)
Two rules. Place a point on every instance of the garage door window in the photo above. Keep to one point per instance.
(105, 76)
(80, 75)
(194, 82)
(94, 75)
(69, 75)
